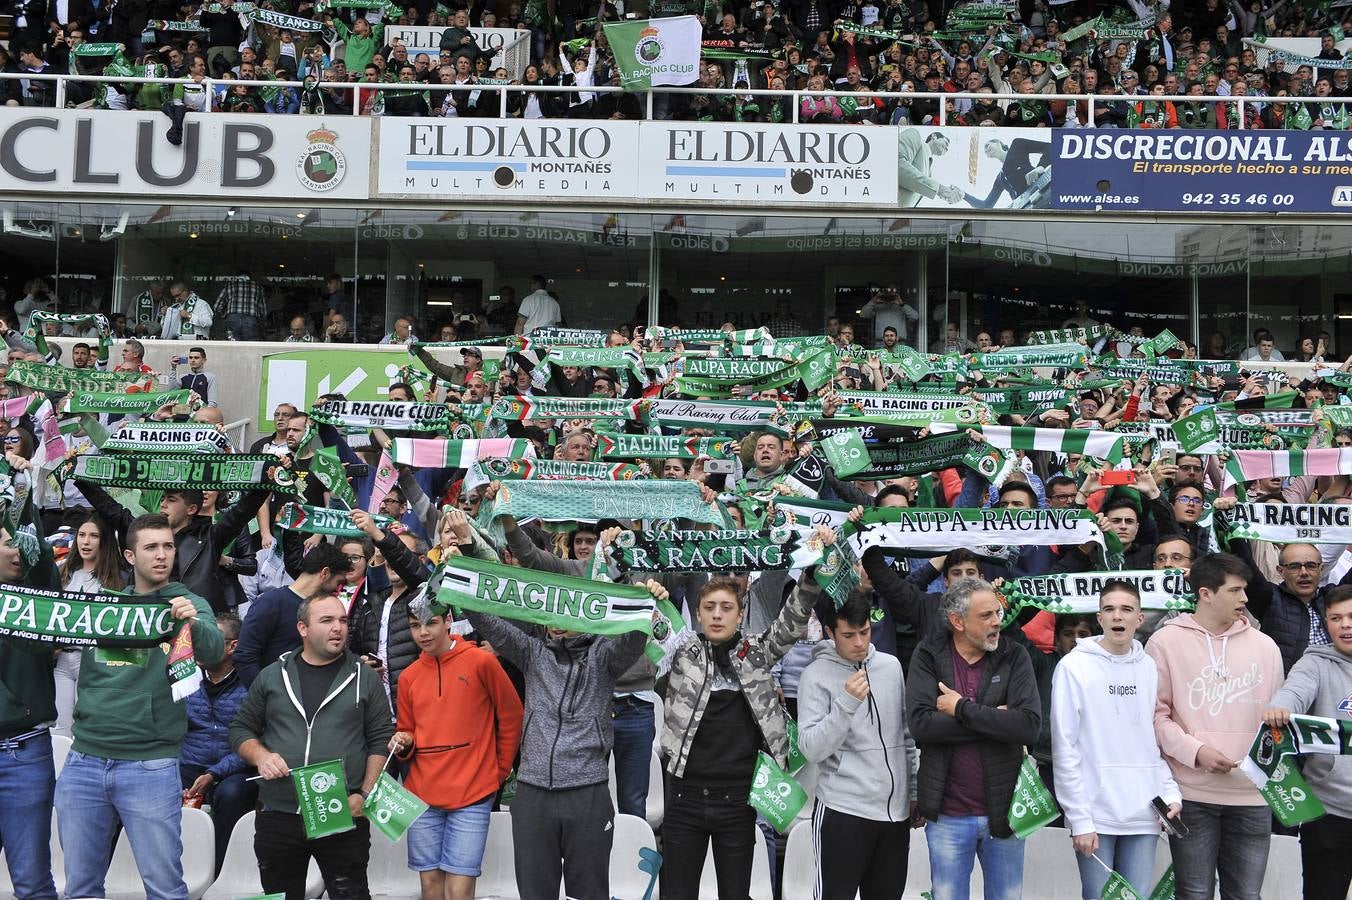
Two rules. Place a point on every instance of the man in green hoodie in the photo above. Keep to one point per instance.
(128, 729)
(318, 704)
(27, 776)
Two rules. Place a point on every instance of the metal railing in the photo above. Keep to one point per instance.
(1094, 102)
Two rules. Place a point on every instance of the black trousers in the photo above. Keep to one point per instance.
(862, 855)
(1325, 857)
(565, 834)
(284, 857)
(694, 817)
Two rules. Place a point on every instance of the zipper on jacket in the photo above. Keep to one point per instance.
(685, 737)
(891, 778)
(310, 723)
(558, 729)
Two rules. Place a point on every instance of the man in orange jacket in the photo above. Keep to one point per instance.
(459, 722)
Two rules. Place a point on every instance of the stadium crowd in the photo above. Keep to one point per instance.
(474, 587)
(1123, 53)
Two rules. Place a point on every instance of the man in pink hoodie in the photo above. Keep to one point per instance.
(1216, 676)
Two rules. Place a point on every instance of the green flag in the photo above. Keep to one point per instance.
(650, 52)
(775, 795)
(321, 790)
(1032, 805)
(796, 758)
(1197, 429)
(391, 808)
(846, 452)
(328, 468)
(1118, 888)
(1164, 888)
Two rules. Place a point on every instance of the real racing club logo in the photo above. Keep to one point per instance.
(1346, 706)
(321, 165)
(649, 48)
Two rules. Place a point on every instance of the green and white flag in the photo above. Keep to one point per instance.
(721, 550)
(502, 469)
(322, 520)
(1197, 429)
(1105, 445)
(775, 794)
(846, 452)
(321, 792)
(1164, 888)
(1117, 887)
(656, 446)
(1161, 589)
(1286, 523)
(390, 414)
(543, 598)
(127, 404)
(591, 501)
(167, 472)
(391, 808)
(328, 469)
(909, 362)
(941, 530)
(1032, 805)
(651, 52)
(1271, 767)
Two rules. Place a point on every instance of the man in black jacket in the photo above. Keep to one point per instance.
(1292, 612)
(200, 542)
(973, 704)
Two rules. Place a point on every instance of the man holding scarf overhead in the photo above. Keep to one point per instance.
(128, 730)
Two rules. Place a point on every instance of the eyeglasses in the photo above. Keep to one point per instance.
(1189, 501)
(12, 439)
(1301, 566)
(355, 557)
(1189, 468)
(1172, 558)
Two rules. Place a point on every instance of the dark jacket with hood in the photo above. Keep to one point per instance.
(364, 634)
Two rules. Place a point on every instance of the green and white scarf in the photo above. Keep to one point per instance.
(78, 320)
(655, 446)
(853, 459)
(322, 520)
(542, 339)
(708, 335)
(61, 380)
(1024, 400)
(941, 530)
(282, 20)
(202, 471)
(884, 403)
(542, 598)
(724, 416)
(591, 501)
(130, 404)
(505, 469)
(626, 360)
(1272, 770)
(722, 550)
(1162, 589)
(399, 416)
(518, 408)
(1061, 356)
(1251, 465)
(1286, 523)
(167, 437)
(1090, 335)
(73, 617)
(1105, 445)
(719, 374)
(439, 453)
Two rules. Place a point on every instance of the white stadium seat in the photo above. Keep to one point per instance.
(388, 873)
(632, 837)
(239, 872)
(656, 799)
(60, 747)
(498, 878)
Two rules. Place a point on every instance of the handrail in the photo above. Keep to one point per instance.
(503, 90)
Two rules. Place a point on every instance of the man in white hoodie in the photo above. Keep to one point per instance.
(1320, 684)
(852, 723)
(1216, 676)
(1107, 763)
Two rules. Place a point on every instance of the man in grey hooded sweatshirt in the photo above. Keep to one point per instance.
(852, 723)
(1320, 684)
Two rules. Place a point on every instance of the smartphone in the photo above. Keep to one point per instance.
(179, 360)
(1173, 827)
(1169, 456)
(718, 466)
(1116, 477)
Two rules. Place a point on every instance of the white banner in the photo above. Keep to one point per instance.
(554, 159)
(739, 163)
(73, 151)
(427, 39)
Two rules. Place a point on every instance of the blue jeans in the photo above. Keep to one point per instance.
(244, 328)
(94, 795)
(27, 780)
(1230, 840)
(634, 732)
(955, 841)
(1130, 855)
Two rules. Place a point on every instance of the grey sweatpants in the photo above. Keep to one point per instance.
(562, 834)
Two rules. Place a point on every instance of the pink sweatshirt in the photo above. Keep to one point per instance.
(1212, 690)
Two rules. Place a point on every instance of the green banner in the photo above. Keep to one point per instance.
(652, 52)
(61, 380)
(1197, 429)
(1024, 400)
(321, 790)
(543, 598)
(1271, 766)
(328, 469)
